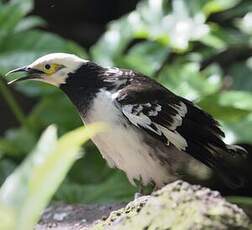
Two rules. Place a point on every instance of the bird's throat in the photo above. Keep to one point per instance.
(83, 85)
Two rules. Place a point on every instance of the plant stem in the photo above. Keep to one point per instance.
(12, 103)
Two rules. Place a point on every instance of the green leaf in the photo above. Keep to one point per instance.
(239, 131)
(8, 148)
(28, 190)
(55, 108)
(17, 142)
(241, 76)
(14, 54)
(186, 80)
(146, 57)
(228, 106)
(238, 11)
(215, 6)
(91, 168)
(113, 42)
(214, 41)
(6, 168)
(12, 13)
(98, 193)
(28, 23)
(144, 22)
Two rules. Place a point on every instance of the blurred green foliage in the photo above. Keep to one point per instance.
(27, 191)
(199, 49)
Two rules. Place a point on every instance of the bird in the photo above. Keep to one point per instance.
(153, 133)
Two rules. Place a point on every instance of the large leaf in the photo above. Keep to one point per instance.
(228, 106)
(186, 80)
(12, 13)
(27, 191)
(146, 57)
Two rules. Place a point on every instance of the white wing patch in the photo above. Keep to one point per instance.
(178, 118)
(141, 116)
(139, 119)
(174, 137)
(154, 112)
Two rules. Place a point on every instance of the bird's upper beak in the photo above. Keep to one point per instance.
(30, 74)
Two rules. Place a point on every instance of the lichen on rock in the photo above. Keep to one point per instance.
(178, 205)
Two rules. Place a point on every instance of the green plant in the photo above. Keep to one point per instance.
(28, 190)
(182, 45)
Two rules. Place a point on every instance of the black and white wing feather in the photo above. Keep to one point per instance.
(177, 121)
(159, 120)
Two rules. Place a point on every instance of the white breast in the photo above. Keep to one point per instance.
(123, 146)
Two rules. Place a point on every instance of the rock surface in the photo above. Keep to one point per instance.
(74, 217)
(177, 206)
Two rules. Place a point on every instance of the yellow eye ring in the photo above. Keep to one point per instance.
(50, 69)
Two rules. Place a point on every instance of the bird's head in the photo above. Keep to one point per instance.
(52, 68)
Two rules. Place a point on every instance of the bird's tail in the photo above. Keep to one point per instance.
(235, 166)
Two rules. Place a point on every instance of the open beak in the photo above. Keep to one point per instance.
(30, 74)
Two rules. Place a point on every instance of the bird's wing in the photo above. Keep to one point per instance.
(172, 119)
(176, 121)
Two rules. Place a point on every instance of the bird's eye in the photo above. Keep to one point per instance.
(47, 66)
(50, 69)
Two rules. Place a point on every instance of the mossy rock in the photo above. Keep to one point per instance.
(177, 206)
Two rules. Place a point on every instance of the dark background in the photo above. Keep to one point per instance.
(81, 20)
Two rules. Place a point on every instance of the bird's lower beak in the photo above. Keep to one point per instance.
(31, 74)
